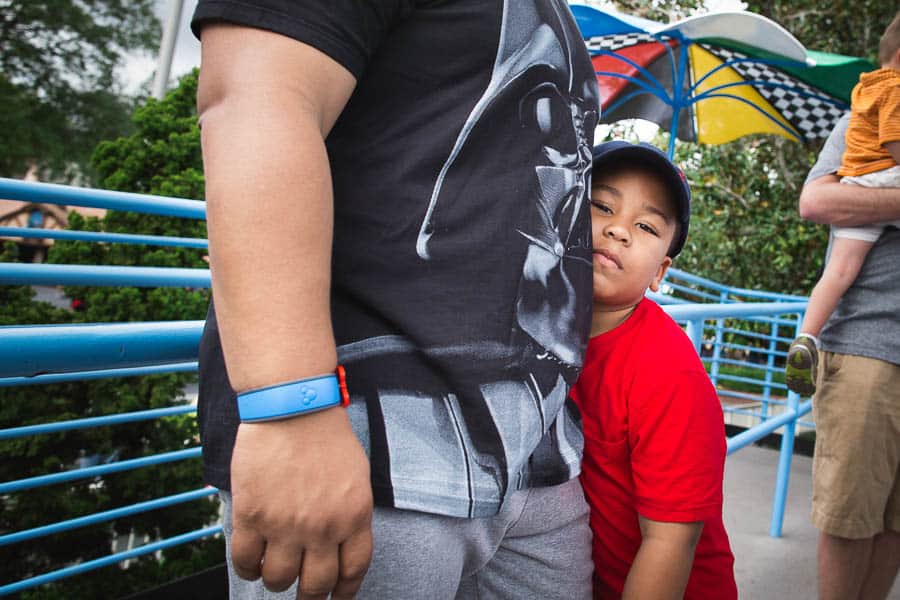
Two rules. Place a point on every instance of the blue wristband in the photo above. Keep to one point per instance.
(289, 399)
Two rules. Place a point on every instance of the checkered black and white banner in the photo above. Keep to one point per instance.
(812, 112)
(617, 41)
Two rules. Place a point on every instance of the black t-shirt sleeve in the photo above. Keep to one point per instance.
(349, 31)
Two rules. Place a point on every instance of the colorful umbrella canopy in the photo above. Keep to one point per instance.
(714, 78)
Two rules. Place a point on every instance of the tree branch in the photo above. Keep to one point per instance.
(722, 188)
(782, 167)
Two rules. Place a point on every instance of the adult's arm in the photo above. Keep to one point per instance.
(894, 149)
(662, 566)
(302, 499)
(826, 200)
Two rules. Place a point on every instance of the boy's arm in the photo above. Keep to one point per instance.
(662, 566)
(826, 200)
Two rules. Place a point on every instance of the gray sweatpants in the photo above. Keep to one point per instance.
(538, 546)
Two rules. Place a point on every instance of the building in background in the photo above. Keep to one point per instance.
(32, 215)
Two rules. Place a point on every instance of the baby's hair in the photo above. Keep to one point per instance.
(890, 41)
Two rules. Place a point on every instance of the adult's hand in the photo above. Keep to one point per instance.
(302, 505)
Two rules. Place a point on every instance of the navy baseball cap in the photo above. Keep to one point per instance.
(654, 159)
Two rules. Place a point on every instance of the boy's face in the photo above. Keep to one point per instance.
(633, 223)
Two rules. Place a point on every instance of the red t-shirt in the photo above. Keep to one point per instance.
(655, 446)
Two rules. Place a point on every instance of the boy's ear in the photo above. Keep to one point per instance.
(660, 273)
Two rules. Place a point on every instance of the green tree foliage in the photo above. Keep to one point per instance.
(850, 27)
(745, 228)
(162, 157)
(57, 78)
(16, 301)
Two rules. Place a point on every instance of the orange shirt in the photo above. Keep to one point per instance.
(874, 121)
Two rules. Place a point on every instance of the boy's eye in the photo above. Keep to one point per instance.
(600, 206)
(648, 229)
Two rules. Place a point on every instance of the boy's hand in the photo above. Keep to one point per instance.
(302, 505)
(661, 569)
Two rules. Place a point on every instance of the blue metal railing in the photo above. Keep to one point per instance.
(44, 354)
(755, 346)
(730, 327)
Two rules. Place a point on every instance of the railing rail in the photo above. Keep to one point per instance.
(65, 195)
(46, 379)
(91, 472)
(92, 236)
(105, 516)
(102, 275)
(109, 560)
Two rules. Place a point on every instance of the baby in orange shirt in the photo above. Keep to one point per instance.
(871, 160)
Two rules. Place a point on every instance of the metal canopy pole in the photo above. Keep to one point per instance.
(167, 48)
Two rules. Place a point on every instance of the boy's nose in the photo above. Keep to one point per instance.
(616, 232)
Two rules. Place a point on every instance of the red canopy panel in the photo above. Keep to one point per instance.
(640, 54)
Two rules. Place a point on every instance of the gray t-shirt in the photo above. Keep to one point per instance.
(866, 321)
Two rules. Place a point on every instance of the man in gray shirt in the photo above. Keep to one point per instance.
(856, 488)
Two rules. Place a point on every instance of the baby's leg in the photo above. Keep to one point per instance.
(847, 256)
(848, 252)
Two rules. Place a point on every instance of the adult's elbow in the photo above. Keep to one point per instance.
(821, 200)
(211, 95)
(813, 204)
(807, 206)
(221, 80)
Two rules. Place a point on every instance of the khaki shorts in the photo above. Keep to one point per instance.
(856, 483)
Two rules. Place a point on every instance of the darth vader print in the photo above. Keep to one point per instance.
(556, 112)
(472, 405)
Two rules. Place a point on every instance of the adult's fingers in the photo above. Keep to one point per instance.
(247, 549)
(354, 558)
(318, 574)
(280, 566)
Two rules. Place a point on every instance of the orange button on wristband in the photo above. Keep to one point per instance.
(342, 384)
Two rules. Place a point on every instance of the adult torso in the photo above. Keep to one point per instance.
(461, 265)
(866, 321)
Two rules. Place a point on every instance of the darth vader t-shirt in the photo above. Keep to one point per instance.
(461, 290)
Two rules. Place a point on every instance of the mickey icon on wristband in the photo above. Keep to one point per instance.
(307, 395)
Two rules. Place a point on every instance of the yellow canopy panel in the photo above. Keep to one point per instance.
(720, 120)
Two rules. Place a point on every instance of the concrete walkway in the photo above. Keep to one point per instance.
(770, 568)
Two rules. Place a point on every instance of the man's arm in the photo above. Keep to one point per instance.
(301, 494)
(662, 566)
(826, 200)
(894, 149)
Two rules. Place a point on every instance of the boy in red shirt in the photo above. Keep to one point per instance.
(654, 452)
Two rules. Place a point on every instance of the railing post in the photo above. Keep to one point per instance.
(786, 453)
(694, 331)
(770, 365)
(717, 346)
(784, 467)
